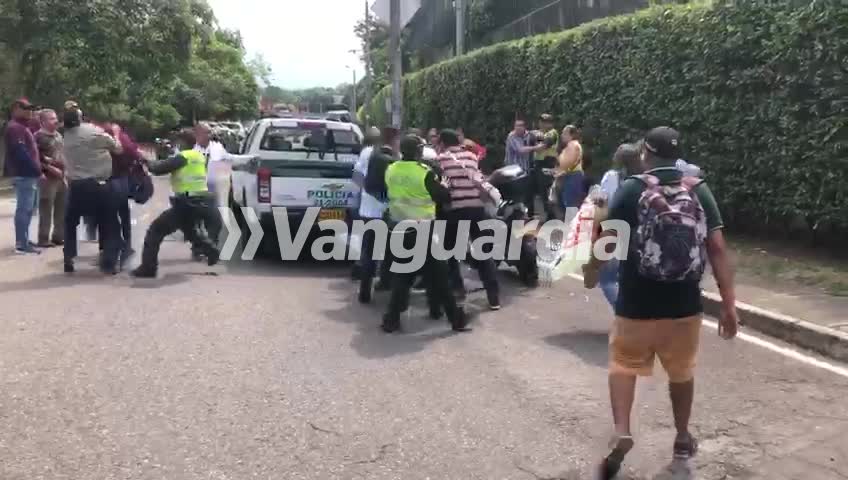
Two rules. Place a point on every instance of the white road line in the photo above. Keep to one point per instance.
(786, 352)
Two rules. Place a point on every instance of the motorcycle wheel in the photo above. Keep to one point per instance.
(528, 269)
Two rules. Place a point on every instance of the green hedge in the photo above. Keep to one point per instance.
(759, 91)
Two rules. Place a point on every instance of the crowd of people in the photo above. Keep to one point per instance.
(71, 169)
(675, 227)
(93, 171)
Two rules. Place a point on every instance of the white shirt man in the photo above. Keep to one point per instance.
(218, 169)
(369, 206)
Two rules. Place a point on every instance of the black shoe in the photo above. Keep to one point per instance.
(126, 255)
(611, 465)
(366, 289)
(420, 286)
(212, 258)
(110, 269)
(460, 322)
(390, 325)
(69, 266)
(685, 448)
(144, 272)
(196, 256)
(436, 313)
(494, 303)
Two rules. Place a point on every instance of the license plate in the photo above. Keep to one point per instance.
(332, 214)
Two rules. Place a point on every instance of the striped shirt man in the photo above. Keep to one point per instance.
(459, 168)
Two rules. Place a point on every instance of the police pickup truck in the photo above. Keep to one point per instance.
(297, 163)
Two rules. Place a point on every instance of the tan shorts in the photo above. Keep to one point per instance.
(635, 343)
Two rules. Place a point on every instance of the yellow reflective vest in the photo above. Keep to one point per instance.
(408, 195)
(191, 178)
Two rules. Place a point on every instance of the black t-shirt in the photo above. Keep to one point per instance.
(641, 298)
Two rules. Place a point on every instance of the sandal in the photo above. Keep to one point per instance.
(611, 465)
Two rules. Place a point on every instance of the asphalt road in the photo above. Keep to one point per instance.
(264, 370)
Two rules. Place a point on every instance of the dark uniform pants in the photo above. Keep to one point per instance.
(487, 269)
(541, 186)
(439, 295)
(368, 264)
(185, 214)
(96, 199)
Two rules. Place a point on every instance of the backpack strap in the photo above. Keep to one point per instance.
(690, 183)
(649, 180)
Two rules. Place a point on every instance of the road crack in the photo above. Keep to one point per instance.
(323, 430)
(534, 474)
(381, 454)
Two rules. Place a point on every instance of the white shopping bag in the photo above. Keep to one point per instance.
(561, 257)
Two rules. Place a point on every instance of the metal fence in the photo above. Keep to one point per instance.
(431, 35)
(560, 15)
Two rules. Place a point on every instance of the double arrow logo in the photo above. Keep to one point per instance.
(234, 233)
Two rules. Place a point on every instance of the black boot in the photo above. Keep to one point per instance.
(212, 257)
(366, 289)
(391, 324)
(460, 321)
(144, 271)
(69, 266)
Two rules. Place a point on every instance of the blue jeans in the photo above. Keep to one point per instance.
(609, 281)
(26, 196)
(572, 194)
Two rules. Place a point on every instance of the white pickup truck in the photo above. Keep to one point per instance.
(297, 164)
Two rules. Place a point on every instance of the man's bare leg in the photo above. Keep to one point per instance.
(622, 395)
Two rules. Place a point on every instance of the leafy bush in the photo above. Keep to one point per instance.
(758, 90)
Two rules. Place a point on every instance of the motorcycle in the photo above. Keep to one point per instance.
(512, 182)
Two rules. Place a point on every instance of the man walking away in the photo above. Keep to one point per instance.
(459, 167)
(413, 191)
(88, 162)
(23, 165)
(518, 152)
(675, 228)
(370, 208)
(54, 188)
(191, 204)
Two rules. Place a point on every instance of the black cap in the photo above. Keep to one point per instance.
(663, 142)
(410, 147)
(24, 104)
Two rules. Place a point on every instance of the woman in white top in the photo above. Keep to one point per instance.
(626, 162)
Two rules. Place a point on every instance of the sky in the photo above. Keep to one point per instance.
(307, 43)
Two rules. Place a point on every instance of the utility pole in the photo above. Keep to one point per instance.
(367, 51)
(397, 65)
(354, 91)
(460, 27)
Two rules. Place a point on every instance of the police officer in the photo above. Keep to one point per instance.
(191, 204)
(413, 191)
(545, 158)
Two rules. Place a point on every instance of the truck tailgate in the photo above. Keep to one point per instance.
(302, 184)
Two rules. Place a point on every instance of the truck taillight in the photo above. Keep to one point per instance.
(263, 177)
